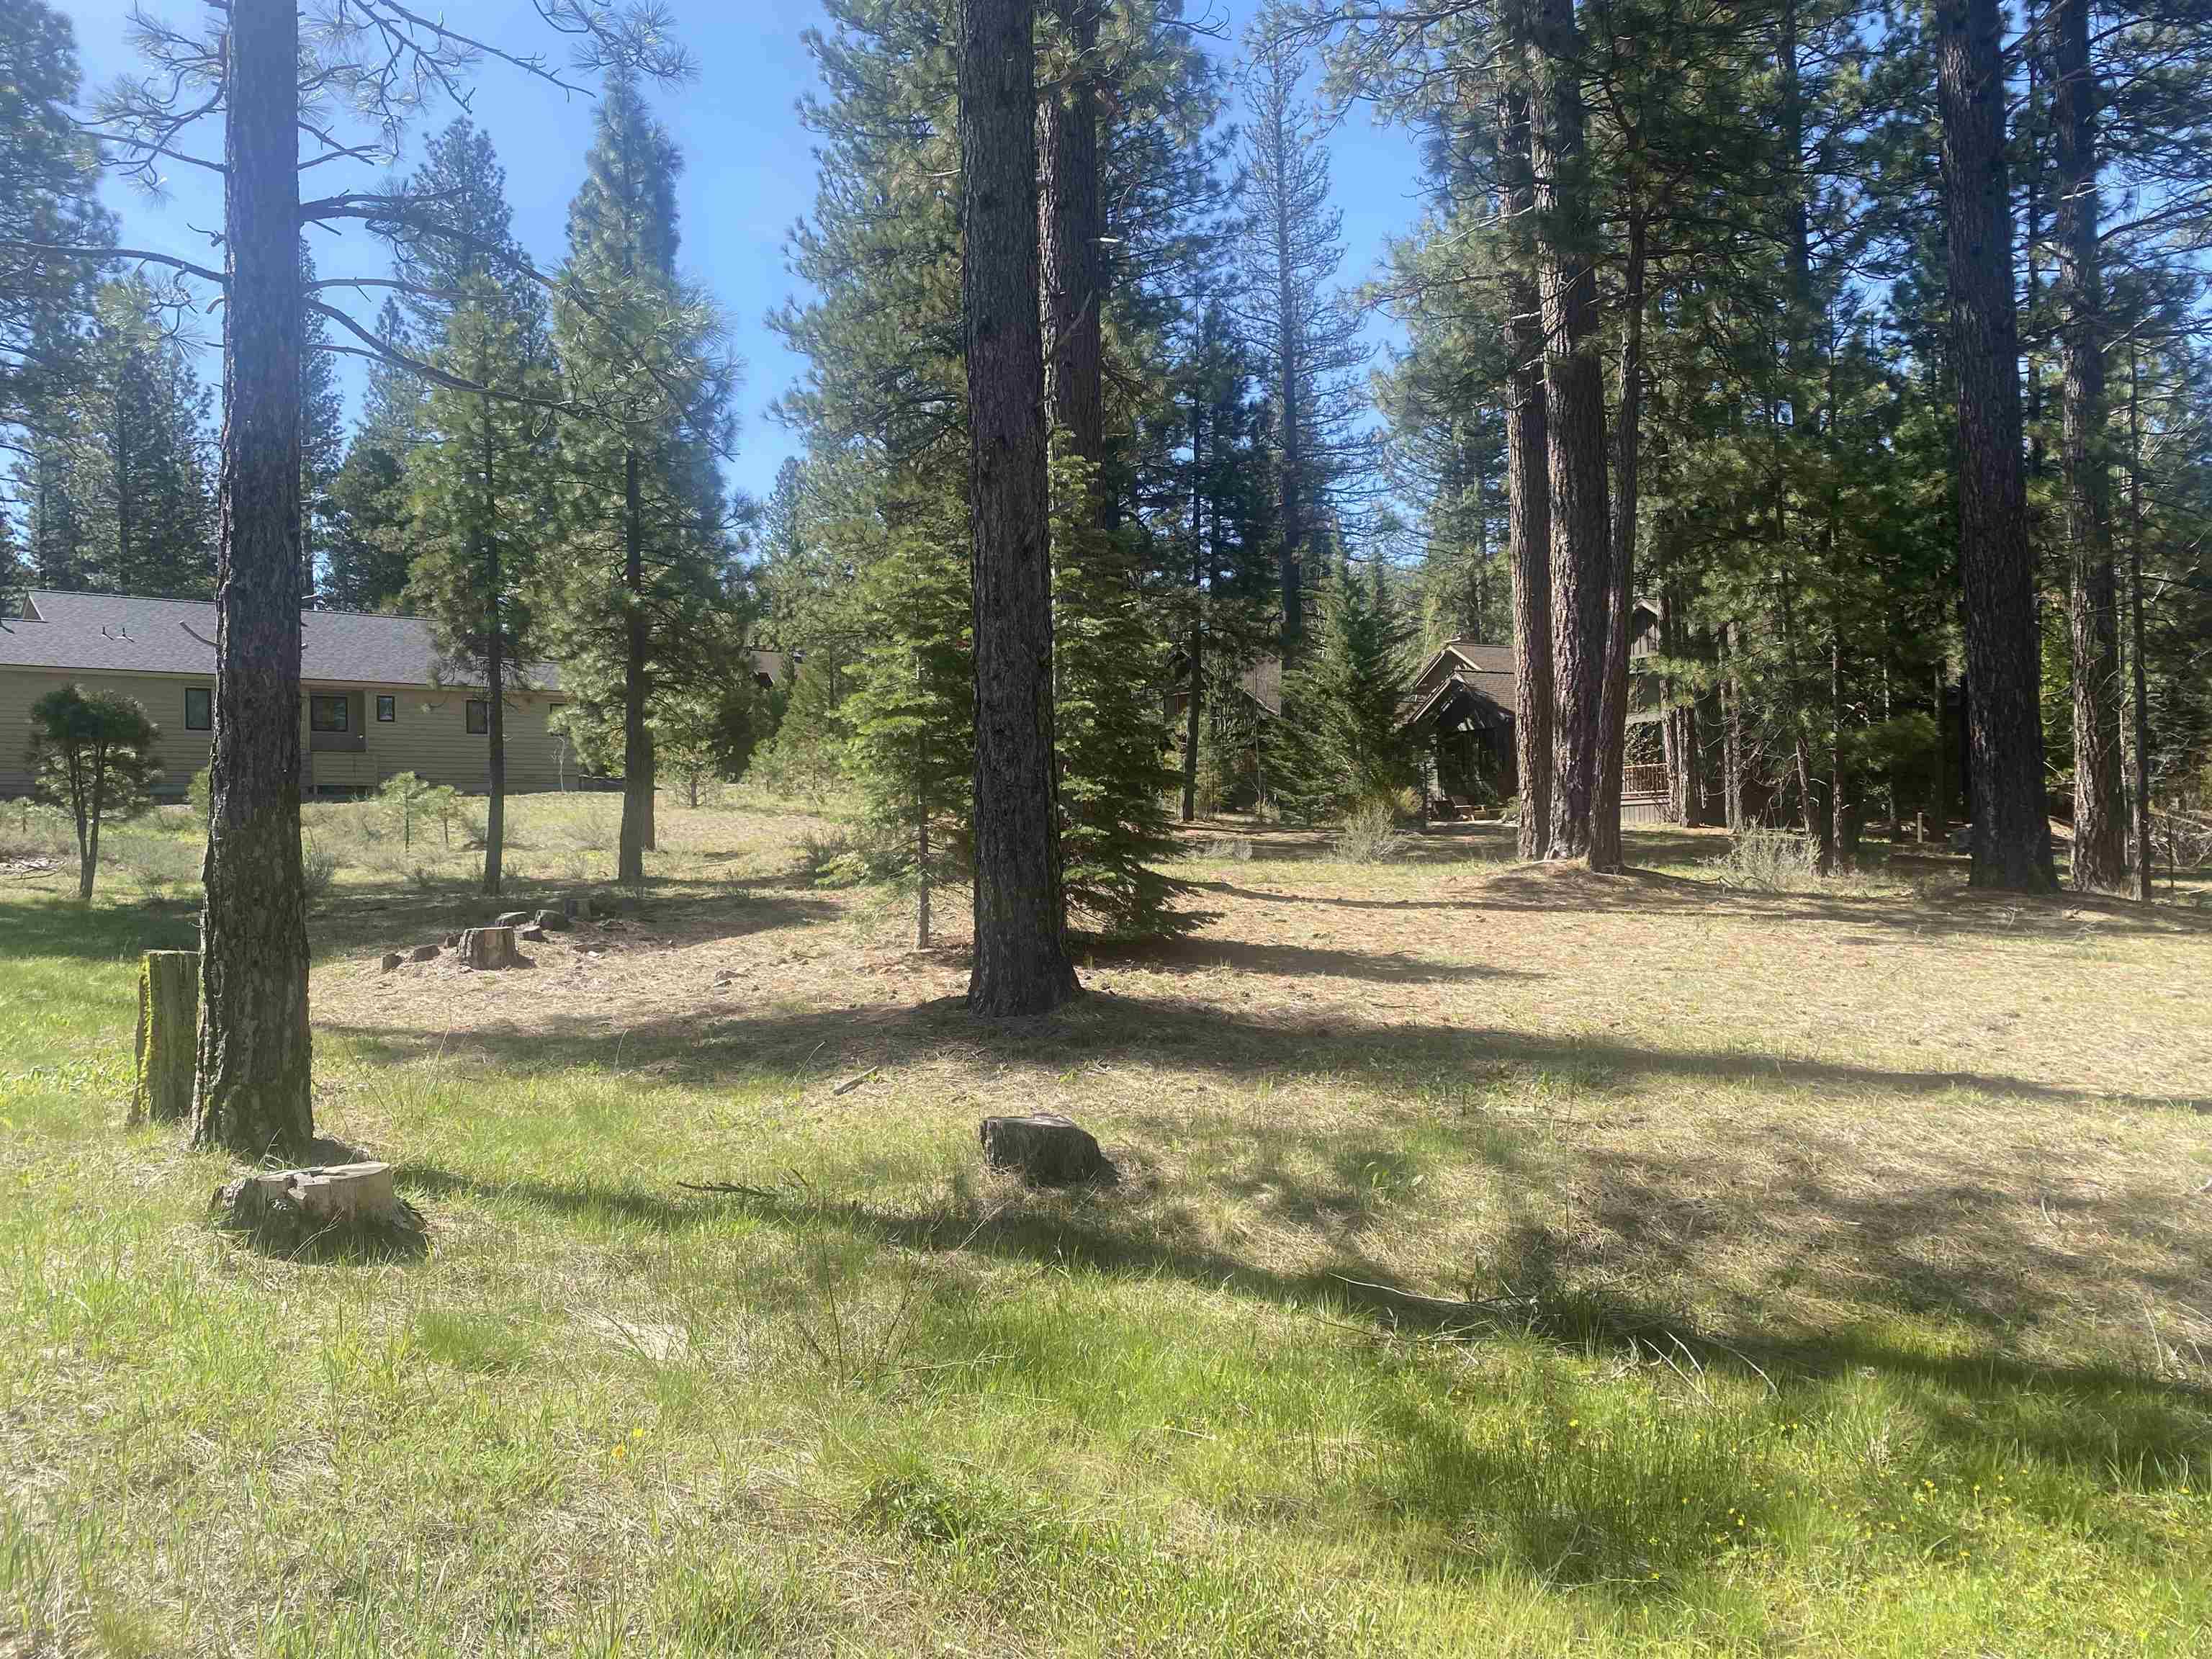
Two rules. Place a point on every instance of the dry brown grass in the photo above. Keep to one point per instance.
(1779, 1113)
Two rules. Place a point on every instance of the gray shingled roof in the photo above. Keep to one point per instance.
(120, 633)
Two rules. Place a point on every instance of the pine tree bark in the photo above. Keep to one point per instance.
(1574, 425)
(1528, 482)
(494, 667)
(2100, 862)
(2138, 749)
(2011, 844)
(252, 1094)
(638, 781)
(1022, 964)
(1605, 849)
(1195, 647)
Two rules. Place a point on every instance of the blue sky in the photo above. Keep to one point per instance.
(749, 170)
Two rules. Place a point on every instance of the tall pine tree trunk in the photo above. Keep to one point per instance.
(1527, 484)
(1574, 423)
(1195, 647)
(1022, 964)
(1605, 851)
(638, 780)
(253, 1095)
(495, 668)
(2139, 754)
(2099, 829)
(1289, 408)
(2011, 833)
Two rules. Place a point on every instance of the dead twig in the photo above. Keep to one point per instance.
(853, 1083)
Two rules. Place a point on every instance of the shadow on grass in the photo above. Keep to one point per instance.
(2137, 1432)
(56, 928)
(1566, 889)
(709, 1046)
(1205, 954)
(369, 920)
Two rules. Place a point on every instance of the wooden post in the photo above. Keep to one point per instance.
(169, 1035)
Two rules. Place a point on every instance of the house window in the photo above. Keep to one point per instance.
(329, 714)
(200, 708)
(479, 717)
(387, 710)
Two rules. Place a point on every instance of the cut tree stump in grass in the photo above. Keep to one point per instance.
(169, 1035)
(490, 947)
(1042, 1147)
(327, 1209)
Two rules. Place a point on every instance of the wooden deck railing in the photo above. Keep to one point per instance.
(1643, 783)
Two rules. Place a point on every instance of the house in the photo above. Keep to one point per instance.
(1461, 716)
(374, 699)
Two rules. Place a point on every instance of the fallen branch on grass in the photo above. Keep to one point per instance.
(1495, 1304)
(853, 1083)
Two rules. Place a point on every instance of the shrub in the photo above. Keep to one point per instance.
(1769, 861)
(1369, 834)
(201, 790)
(318, 868)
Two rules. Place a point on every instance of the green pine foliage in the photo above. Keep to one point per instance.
(1343, 748)
(912, 709)
(92, 755)
(1110, 664)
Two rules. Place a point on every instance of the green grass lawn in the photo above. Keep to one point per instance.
(1847, 1255)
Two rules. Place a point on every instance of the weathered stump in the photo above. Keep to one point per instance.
(489, 948)
(423, 953)
(329, 1208)
(169, 1035)
(390, 960)
(578, 906)
(554, 921)
(514, 918)
(1042, 1146)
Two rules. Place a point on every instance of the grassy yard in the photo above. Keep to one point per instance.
(1846, 1258)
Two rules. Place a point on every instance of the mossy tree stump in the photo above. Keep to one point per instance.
(169, 1035)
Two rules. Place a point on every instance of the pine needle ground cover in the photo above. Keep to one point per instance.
(1502, 1260)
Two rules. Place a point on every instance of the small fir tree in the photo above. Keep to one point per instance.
(1109, 660)
(1344, 745)
(912, 709)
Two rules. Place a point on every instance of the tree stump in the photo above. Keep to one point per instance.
(489, 948)
(1042, 1146)
(555, 921)
(169, 1035)
(327, 1209)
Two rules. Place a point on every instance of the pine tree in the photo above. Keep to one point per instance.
(370, 539)
(141, 444)
(911, 711)
(1345, 746)
(481, 490)
(646, 537)
(1109, 659)
(1304, 330)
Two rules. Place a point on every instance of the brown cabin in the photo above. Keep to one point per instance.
(1461, 716)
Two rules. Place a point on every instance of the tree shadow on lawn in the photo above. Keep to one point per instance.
(706, 1045)
(1205, 953)
(62, 927)
(1560, 890)
(2119, 1429)
(370, 920)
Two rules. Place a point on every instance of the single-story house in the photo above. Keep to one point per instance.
(375, 697)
